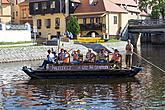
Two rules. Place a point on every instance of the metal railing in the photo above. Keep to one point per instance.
(147, 22)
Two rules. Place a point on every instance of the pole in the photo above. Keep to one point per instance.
(150, 62)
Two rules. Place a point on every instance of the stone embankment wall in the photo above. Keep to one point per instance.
(14, 54)
(28, 53)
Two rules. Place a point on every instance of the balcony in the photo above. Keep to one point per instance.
(95, 26)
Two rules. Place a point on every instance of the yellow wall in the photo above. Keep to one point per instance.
(6, 9)
(113, 28)
(28, 17)
(45, 31)
(6, 13)
(132, 15)
(5, 19)
(124, 20)
(16, 18)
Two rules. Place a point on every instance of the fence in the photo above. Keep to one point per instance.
(15, 33)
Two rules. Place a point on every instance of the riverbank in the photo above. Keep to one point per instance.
(29, 53)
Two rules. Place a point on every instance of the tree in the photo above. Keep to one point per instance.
(73, 26)
(158, 7)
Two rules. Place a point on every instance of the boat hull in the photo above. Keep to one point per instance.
(87, 73)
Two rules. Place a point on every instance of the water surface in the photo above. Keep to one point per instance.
(145, 91)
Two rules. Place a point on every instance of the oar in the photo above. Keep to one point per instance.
(149, 62)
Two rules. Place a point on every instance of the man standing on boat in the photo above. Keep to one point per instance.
(129, 52)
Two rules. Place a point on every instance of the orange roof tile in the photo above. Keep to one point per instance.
(5, 1)
(143, 13)
(111, 7)
(100, 6)
(127, 2)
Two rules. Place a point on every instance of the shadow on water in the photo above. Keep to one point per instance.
(82, 81)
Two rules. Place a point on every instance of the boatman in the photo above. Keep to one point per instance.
(129, 52)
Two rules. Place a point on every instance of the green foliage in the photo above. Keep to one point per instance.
(158, 7)
(11, 43)
(73, 26)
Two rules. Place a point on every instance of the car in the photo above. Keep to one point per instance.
(53, 41)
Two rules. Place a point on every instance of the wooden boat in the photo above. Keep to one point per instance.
(80, 71)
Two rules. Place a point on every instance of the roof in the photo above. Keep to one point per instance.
(143, 13)
(133, 9)
(24, 3)
(127, 2)
(5, 1)
(111, 7)
(99, 6)
(37, 0)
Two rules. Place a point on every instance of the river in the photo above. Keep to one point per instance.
(145, 91)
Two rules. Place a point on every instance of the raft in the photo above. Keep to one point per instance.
(80, 71)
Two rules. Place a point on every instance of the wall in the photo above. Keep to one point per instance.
(113, 28)
(16, 17)
(15, 35)
(6, 13)
(45, 31)
(14, 54)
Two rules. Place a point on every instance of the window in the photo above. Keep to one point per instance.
(114, 19)
(53, 4)
(44, 5)
(98, 20)
(16, 13)
(84, 20)
(57, 23)
(13, 15)
(39, 23)
(92, 20)
(48, 23)
(35, 6)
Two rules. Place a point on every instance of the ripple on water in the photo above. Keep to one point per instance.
(18, 92)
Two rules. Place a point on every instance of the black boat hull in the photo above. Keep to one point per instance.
(50, 74)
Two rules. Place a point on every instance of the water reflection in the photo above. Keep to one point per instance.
(74, 93)
(146, 91)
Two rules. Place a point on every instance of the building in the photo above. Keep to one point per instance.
(5, 11)
(21, 13)
(49, 17)
(108, 17)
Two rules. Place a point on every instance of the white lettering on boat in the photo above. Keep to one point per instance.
(79, 67)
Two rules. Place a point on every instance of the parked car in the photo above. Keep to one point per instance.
(53, 41)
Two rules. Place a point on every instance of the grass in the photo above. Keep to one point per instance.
(113, 40)
(11, 43)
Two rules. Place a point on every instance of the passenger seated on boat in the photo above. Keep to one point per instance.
(55, 55)
(66, 57)
(50, 59)
(93, 58)
(80, 56)
(90, 57)
(116, 59)
(102, 57)
(61, 56)
(75, 58)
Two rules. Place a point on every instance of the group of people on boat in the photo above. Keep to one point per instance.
(102, 57)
